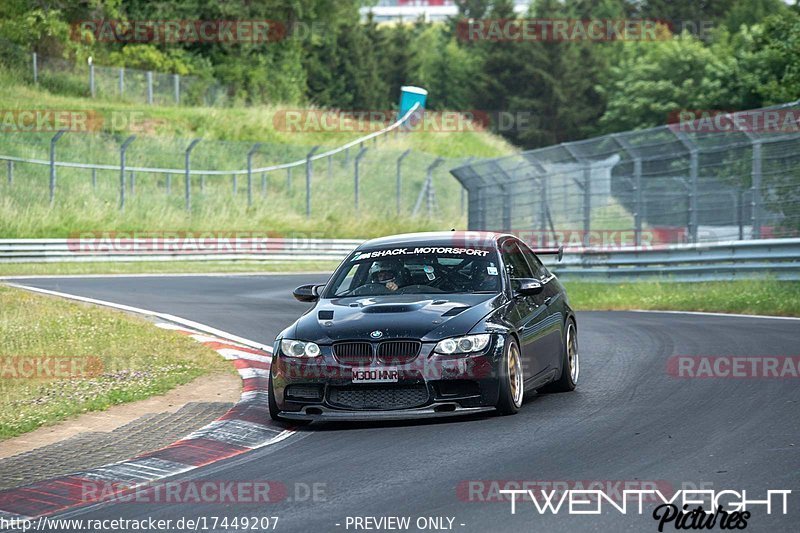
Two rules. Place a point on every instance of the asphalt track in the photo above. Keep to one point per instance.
(628, 420)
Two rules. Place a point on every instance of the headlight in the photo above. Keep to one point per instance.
(468, 344)
(291, 348)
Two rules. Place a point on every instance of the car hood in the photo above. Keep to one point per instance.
(428, 317)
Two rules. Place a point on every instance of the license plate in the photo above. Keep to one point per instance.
(375, 375)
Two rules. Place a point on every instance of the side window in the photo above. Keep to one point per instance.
(539, 270)
(515, 262)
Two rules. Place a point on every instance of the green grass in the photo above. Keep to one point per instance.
(246, 124)
(228, 134)
(128, 359)
(177, 267)
(761, 297)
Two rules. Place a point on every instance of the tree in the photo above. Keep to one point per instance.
(653, 80)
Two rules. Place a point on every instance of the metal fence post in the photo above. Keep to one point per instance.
(543, 207)
(330, 167)
(188, 180)
(587, 205)
(481, 210)
(91, 77)
(399, 179)
(693, 178)
(356, 176)
(176, 83)
(263, 184)
(202, 183)
(35, 68)
(309, 175)
(122, 150)
(10, 165)
(638, 210)
(250, 154)
(463, 189)
(289, 180)
(235, 183)
(427, 193)
(739, 213)
(94, 179)
(132, 183)
(431, 196)
(755, 179)
(121, 81)
(53, 142)
(755, 185)
(149, 78)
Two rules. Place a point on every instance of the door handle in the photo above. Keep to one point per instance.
(547, 300)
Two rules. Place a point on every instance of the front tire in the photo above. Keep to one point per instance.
(570, 361)
(511, 380)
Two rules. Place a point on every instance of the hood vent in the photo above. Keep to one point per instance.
(453, 311)
(325, 315)
(391, 308)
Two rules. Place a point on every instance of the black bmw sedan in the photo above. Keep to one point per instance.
(426, 324)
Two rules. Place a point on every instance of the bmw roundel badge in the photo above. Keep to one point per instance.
(377, 334)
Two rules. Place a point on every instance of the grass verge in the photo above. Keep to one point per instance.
(760, 297)
(59, 359)
(86, 201)
(177, 267)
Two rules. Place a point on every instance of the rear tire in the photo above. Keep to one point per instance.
(511, 380)
(274, 412)
(570, 362)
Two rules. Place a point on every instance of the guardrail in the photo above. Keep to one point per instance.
(173, 249)
(774, 258)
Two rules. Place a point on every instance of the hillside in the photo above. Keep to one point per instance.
(228, 133)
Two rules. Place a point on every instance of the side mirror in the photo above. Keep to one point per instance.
(528, 287)
(306, 293)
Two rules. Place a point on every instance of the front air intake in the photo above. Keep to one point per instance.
(398, 352)
(353, 353)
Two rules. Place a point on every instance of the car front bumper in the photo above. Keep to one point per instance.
(429, 386)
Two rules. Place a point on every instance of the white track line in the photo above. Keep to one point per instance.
(703, 313)
(165, 275)
(244, 373)
(163, 316)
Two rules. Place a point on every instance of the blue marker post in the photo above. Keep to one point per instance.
(409, 96)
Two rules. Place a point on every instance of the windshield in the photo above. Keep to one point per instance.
(417, 270)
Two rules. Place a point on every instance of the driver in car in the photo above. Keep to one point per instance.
(387, 274)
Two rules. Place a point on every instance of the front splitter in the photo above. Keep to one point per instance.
(430, 411)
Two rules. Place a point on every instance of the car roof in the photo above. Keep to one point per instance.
(479, 239)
